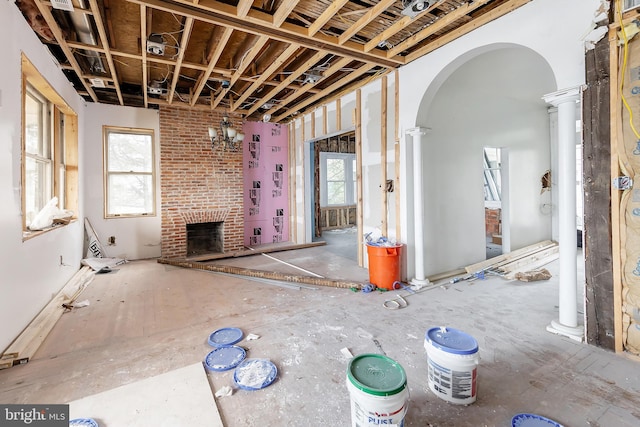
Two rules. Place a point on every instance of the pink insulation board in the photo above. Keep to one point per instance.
(266, 183)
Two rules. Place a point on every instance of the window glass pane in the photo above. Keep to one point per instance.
(129, 152)
(335, 193)
(36, 186)
(130, 194)
(335, 170)
(33, 126)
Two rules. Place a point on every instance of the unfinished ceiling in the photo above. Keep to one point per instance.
(252, 57)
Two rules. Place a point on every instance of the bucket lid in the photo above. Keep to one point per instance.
(224, 358)
(225, 336)
(532, 420)
(255, 374)
(376, 374)
(83, 422)
(452, 340)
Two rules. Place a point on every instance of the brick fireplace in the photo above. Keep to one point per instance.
(198, 186)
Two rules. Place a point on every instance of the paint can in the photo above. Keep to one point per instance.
(378, 390)
(452, 364)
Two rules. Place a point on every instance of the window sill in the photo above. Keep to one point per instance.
(30, 234)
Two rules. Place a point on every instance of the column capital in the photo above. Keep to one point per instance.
(418, 131)
(571, 94)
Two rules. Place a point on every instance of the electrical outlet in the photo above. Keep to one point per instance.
(111, 240)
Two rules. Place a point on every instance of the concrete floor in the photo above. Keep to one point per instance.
(147, 319)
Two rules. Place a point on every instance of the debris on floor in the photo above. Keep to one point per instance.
(533, 275)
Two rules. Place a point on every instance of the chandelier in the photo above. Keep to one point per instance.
(227, 138)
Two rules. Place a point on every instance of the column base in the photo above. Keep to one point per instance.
(419, 283)
(575, 333)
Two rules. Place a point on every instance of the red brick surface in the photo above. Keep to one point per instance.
(197, 184)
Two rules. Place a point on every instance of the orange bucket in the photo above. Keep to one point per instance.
(384, 265)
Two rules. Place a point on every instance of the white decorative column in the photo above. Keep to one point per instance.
(565, 102)
(418, 205)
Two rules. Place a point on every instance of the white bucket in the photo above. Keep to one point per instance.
(453, 364)
(378, 390)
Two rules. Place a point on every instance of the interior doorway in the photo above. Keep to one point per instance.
(496, 200)
(334, 198)
(492, 201)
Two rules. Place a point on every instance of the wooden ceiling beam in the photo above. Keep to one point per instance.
(97, 18)
(393, 29)
(243, 7)
(493, 14)
(245, 62)
(222, 43)
(371, 14)
(260, 23)
(290, 78)
(337, 66)
(283, 12)
(186, 33)
(325, 16)
(330, 89)
(275, 65)
(438, 25)
(60, 39)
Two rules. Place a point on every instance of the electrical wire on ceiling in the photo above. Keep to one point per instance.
(625, 57)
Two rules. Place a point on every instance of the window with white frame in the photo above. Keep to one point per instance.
(49, 150)
(338, 179)
(129, 172)
(38, 153)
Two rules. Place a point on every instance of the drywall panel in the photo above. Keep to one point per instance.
(266, 183)
(34, 270)
(138, 237)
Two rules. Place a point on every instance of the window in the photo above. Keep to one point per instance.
(38, 188)
(337, 176)
(129, 172)
(49, 148)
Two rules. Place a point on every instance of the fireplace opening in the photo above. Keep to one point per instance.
(205, 238)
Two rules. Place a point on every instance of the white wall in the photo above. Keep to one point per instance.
(30, 271)
(136, 238)
(493, 100)
(551, 29)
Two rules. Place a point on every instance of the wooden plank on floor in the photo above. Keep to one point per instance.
(27, 343)
(511, 256)
(255, 251)
(229, 269)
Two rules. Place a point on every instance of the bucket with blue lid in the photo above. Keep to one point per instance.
(452, 359)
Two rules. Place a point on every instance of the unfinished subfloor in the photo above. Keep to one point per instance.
(148, 319)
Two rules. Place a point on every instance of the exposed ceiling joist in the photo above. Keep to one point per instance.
(369, 15)
(245, 62)
(60, 39)
(260, 24)
(499, 11)
(186, 33)
(336, 86)
(265, 75)
(204, 77)
(328, 13)
(293, 76)
(283, 11)
(105, 45)
(337, 66)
